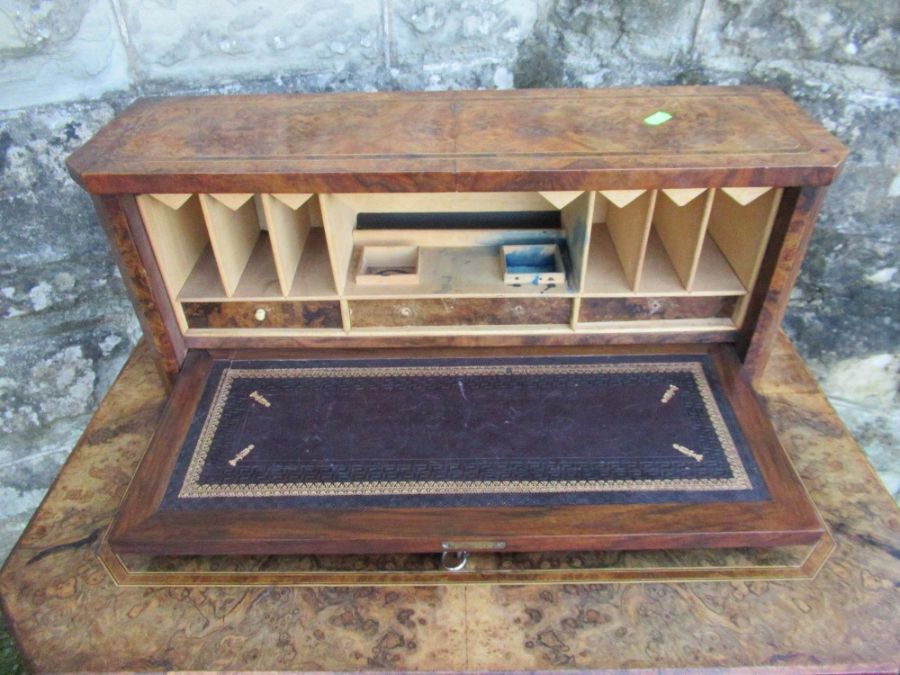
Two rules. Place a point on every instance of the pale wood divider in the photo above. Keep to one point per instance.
(178, 236)
(628, 215)
(339, 220)
(288, 222)
(741, 230)
(576, 224)
(680, 218)
(740, 223)
(233, 231)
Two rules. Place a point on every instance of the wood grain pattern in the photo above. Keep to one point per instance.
(786, 517)
(310, 314)
(459, 141)
(519, 144)
(143, 281)
(843, 619)
(498, 339)
(629, 229)
(632, 309)
(460, 312)
(485, 567)
(780, 266)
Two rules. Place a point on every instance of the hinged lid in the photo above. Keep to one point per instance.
(303, 452)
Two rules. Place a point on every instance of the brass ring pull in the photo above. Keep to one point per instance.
(461, 559)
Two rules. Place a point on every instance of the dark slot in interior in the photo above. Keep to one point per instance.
(476, 220)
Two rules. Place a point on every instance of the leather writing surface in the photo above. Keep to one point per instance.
(475, 432)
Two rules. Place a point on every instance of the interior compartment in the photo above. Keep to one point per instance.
(388, 265)
(178, 235)
(242, 250)
(622, 223)
(459, 236)
(650, 244)
(535, 264)
(740, 224)
(288, 256)
(680, 219)
(629, 254)
(294, 223)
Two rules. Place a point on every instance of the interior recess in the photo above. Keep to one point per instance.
(629, 260)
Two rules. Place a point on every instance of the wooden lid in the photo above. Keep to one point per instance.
(568, 139)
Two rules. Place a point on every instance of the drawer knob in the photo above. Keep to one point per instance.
(260, 314)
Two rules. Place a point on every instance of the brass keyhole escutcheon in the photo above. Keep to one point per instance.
(454, 561)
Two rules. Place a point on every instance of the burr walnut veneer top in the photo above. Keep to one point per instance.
(569, 139)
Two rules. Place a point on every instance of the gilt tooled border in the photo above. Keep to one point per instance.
(192, 488)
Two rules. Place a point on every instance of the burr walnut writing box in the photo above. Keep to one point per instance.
(466, 320)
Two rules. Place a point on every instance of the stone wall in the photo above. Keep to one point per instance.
(69, 65)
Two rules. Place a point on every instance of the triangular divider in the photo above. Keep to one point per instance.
(745, 195)
(622, 198)
(233, 200)
(561, 199)
(293, 200)
(683, 196)
(173, 200)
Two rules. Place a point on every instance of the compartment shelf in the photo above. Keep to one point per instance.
(470, 271)
(606, 277)
(311, 243)
(259, 280)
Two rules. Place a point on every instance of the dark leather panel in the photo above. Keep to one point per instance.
(474, 432)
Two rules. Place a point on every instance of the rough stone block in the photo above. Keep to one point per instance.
(59, 51)
(444, 37)
(220, 41)
(846, 32)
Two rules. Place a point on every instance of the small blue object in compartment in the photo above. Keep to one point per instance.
(533, 264)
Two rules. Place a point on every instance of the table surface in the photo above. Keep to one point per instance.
(67, 613)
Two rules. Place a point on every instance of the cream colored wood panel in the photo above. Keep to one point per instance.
(446, 202)
(681, 230)
(172, 200)
(622, 198)
(561, 199)
(576, 224)
(288, 229)
(233, 201)
(293, 200)
(339, 221)
(233, 235)
(629, 228)
(745, 195)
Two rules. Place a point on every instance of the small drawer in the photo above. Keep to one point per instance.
(637, 309)
(312, 314)
(460, 312)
